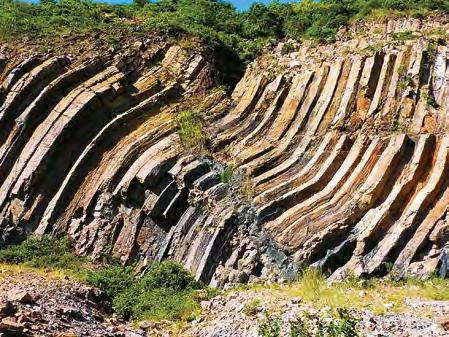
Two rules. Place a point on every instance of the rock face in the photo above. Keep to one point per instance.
(348, 156)
(341, 154)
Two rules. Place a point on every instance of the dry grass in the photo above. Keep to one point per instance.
(376, 295)
(51, 274)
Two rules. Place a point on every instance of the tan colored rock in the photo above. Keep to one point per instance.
(22, 296)
(339, 158)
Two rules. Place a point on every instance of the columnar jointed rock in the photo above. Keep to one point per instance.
(349, 168)
(341, 157)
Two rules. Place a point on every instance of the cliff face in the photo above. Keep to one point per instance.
(349, 158)
(341, 154)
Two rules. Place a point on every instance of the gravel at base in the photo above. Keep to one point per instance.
(51, 306)
(225, 317)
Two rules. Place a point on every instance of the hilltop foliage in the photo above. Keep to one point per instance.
(237, 36)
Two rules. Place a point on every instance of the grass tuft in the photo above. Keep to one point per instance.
(250, 308)
(190, 130)
(227, 173)
(373, 294)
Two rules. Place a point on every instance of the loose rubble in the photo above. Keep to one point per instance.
(225, 316)
(43, 305)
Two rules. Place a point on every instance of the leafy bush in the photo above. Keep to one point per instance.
(45, 252)
(112, 279)
(49, 18)
(270, 326)
(157, 304)
(236, 37)
(166, 291)
(168, 274)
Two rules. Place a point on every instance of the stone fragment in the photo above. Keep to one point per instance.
(444, 323)
(22, 296)
(7, 309)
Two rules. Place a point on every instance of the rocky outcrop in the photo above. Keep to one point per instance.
(89, 149)
(340, 154)
(348, 158)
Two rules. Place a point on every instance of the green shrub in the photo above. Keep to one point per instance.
(226, 174)
(168, 274)
(270, 326)
(112, 279)
(50, 18)
(157, 304)
(166, 291)
(343, 326)
(45, 252)
(299, 328)
(347, 323)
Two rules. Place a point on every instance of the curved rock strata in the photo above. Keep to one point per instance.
(340, 155)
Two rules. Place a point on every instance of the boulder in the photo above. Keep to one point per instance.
(7, 309)
(22, 296)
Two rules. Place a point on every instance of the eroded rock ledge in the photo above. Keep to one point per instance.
(343, 150)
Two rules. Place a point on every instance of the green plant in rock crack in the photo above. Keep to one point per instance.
(227, 173)
(342, 326)
(404, 36)
(431, 101)
(431, 53)
(395, 124)
(300, 328)
(190, 129)
(404, 83)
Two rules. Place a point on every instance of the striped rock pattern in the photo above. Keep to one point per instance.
(348, 152)
(342, 157)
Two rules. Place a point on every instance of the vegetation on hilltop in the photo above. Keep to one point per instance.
(217, 23)
(235, 38)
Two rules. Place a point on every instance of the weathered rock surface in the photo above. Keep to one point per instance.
(341, 153)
